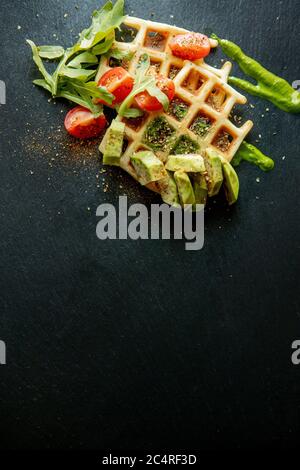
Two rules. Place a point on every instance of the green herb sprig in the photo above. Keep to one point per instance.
(143, 82)
(78, 65)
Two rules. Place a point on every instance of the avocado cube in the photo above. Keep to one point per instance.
(114, 144)
(200, 189)
(185, 188)
(214, 178)
(231, 183)
(148, 167)
(169, 191)
(191, 163)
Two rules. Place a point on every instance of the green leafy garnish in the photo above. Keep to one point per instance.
(79, 63)
(39, 63)
(85, 94)
(79, 74)
(105, 45)
(43, 84)
(144, 82)
(153, 90)
(83, 59)
(119, 58)
(51, 52)
(131, 113)
(120, 55)
(104, 22)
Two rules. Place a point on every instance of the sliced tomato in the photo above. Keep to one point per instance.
(190, 46)
(81, 123)
(149, 103)
(118, 82)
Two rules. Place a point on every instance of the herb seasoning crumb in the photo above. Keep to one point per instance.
(158, 134)
(178, 109)
(223, 141)
(185, 145)
(201, 126)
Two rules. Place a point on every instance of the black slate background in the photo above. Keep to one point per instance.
(143, 345)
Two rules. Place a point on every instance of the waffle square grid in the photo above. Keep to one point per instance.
(202, 89)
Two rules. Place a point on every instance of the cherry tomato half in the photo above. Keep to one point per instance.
(190, 46)
(81, 123)
(118, 82)
(149, 103)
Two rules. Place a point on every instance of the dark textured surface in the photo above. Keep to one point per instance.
(142, 344)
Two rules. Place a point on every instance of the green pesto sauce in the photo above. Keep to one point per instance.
(269, 86)
(252, 154)
(159, 134)
(184, 146)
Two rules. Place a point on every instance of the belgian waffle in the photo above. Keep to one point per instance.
(201, 90)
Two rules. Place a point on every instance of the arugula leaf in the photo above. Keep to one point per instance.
(118, 54)
(88, 34)
(84, 94)
(67, 55)
(70, 95)
(142, 86)
(39, 63)
(51, 52)
(142, 68)
(84, 58)
(142, 83)
(43, 84)
(94, 91)
(104, 46)
(160, 95)
(79, 74)
(104, 21)
(131, 112)
(70, 79)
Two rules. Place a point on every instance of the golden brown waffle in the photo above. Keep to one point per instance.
(202, 90)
